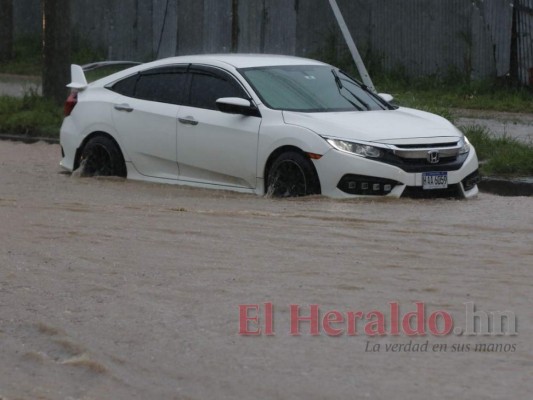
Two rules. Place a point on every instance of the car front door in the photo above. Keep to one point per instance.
(215, 147)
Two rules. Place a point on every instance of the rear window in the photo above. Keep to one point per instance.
(163, 85)
(126, 87)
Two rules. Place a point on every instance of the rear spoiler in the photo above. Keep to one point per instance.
(79, 81)
(77, 72)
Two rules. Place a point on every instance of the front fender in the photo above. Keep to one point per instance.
(277, 134)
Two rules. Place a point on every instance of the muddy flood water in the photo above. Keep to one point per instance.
(114, 289)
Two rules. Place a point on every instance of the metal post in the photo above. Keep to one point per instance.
(351, 45)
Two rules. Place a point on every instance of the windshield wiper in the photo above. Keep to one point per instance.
(340, 86)
(337, 79)
(365, 104)
(373, 94)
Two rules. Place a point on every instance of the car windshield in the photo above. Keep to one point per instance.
(310, 88)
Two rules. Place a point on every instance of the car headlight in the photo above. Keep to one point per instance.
(362, 150)
(465, 146)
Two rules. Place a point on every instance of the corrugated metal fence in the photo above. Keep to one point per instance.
(421, 37)
(524, 43)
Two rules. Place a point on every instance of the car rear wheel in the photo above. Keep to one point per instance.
(292, 175)
(102, 157)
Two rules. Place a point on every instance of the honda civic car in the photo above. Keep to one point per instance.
(271, 125)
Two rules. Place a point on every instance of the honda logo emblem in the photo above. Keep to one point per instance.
(433, 157)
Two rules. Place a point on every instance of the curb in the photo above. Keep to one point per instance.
(28, 139)
(506, 186)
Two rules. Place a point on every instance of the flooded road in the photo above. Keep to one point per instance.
(114, 289)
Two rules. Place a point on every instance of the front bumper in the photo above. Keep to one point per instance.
(335, 165)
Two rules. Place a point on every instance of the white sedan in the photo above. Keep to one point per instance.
(277, 125)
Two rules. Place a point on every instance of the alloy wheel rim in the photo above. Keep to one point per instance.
(98, 162)
(289, 180)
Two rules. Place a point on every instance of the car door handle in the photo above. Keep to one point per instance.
(188, 121)
(123, 107)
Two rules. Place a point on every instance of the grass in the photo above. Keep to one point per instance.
(502, 156)
(27, 58)
(438, 93)
(31, 115)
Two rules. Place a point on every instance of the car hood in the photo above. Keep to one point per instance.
(387, 126)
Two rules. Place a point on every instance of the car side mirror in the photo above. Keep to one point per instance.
(236, 105)
(387, 97)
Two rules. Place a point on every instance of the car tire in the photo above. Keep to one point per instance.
(292, 174)
(102, 157)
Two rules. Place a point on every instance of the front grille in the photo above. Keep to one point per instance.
(422, 164)
(423, 161)
(417, 192)
(426, 146)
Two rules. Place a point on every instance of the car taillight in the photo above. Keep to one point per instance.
(71, 102)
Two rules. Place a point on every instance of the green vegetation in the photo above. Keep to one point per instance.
(450, 92)
(31, 115)
(500, 155)
(27, 58)
(83, 52)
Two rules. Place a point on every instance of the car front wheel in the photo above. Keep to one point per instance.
(292, 175)
(102, 157)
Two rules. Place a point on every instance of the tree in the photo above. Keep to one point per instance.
(6, 30)
(56, 49)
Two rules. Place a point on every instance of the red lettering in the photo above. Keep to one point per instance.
(312, 319)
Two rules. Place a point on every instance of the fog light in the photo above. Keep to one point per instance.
(366, 185)
(471, 181)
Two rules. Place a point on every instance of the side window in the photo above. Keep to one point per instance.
(207, 88)
(163, 86)
(126, 87)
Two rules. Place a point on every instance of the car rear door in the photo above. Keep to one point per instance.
(145, 117)
(215, 147)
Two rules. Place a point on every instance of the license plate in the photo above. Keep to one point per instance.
(435, 180)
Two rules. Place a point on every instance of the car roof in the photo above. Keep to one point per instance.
(234, 60)
(240, 60)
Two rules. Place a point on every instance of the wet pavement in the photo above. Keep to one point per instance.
(516, 125)
(18, 86)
